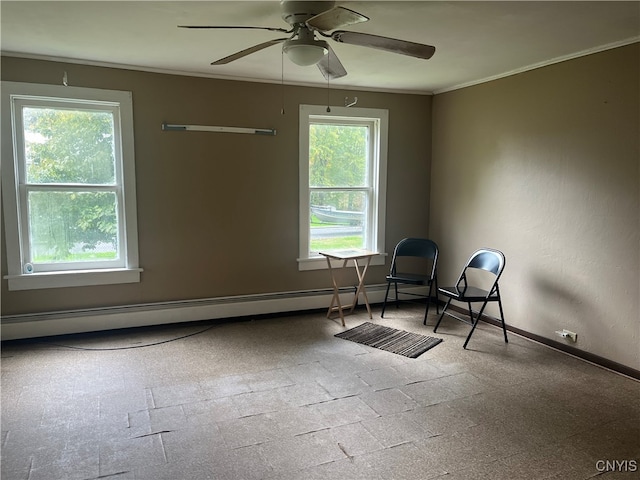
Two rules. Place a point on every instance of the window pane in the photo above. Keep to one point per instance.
(337, 220)
(337, 155)
(72, 226)
(69, 146)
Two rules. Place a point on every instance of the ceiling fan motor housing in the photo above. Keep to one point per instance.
(297, 12)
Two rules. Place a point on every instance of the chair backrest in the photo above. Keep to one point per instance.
(487, 259)
(416, 247)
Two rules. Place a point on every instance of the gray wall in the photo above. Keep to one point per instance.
(218, 213)
(544, 166)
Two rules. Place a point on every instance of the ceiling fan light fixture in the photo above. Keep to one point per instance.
(305, 52)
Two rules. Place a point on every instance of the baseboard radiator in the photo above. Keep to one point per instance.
(16, 327)
(34, 325)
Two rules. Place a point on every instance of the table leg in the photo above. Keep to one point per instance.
(335, 300)
(361, 288)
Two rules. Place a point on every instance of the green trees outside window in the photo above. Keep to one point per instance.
(338, 183)
(70, 175)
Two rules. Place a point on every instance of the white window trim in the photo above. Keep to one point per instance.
(17, 278)
(379, 181)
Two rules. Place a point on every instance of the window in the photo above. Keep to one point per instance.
(68, 186)
(343, 163)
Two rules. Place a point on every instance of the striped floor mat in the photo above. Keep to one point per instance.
(389, 339)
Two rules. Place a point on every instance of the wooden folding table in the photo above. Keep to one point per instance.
(361, 270)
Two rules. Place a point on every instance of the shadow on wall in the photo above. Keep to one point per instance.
(558, 305)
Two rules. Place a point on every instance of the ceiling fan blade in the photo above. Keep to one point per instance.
(335, 18)
(205, 27)
(393, 45)
(248, 51)
(331, 67)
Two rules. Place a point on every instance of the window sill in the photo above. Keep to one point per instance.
(320, 263)
(79, 278)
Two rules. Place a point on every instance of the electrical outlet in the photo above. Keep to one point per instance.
(564, 333)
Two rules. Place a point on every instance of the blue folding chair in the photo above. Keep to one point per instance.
(466, 290)
(414, 262)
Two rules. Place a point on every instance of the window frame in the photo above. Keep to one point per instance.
(15, 95)
(378, 120)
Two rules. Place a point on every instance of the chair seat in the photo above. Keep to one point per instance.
(409, 278)
(468, 294)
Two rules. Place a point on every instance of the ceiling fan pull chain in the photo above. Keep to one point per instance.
(282, 79)
(328, 77)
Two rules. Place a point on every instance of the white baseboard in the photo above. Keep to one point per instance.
(16, 327)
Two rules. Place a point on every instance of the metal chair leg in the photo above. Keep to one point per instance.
(442, 314)
(474, 322)
(426, 313)
(384, 304)
(504, 326)
(395, 287)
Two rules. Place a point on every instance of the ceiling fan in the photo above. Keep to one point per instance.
(308, 18)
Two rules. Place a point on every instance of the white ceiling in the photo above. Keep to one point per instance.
(475, 41)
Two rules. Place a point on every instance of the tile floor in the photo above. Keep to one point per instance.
(282, 398)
